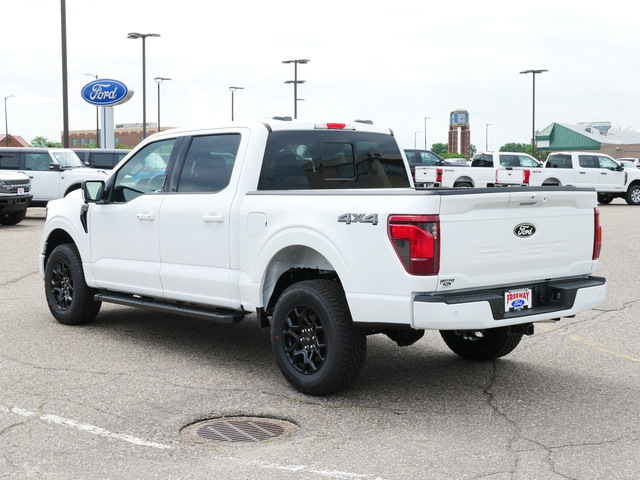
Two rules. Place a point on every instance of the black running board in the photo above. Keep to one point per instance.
(218, 314)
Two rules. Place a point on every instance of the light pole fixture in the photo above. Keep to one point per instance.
(233, 90)
(486, 147)
(6, 123)
(143, 36)
(97, 115)
(533, 124)
(159, 80)
(415, 136)
(295, 82)
(425, 131)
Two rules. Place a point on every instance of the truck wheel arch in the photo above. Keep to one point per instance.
(71, 188)
(290, 265)
(57, 237)
(463, 182)
(551, 182)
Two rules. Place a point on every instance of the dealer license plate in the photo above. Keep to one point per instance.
(517, 299)
(21, 191)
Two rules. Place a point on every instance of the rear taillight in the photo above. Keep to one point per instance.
(597, 234)
(526, 176)
(416, 240)
(438, 175)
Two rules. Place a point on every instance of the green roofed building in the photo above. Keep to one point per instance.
(589, 136)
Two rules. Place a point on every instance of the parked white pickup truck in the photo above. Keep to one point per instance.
(593, 170)
(316, 229)
(488, 169)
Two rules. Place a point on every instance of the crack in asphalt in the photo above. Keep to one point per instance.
(9, 281)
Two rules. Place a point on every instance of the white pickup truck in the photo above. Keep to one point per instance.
(317, 230)
(488, 169)
(593, 170)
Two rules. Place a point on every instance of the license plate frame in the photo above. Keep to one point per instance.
(517, 299)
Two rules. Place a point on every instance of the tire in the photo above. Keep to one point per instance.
(633, 195)
(482, 345)
(605, 199)
(463, 185)
(13, 218)
(69, 298)
(314, 341)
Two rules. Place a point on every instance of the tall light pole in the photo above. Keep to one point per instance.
(295, 82)
(425, 131)
(97, 115)
(533, 124)
(65, 82)
(159, 80)
(486, 147)
(143, 36)
(233, 90)
(415, 136)
(6, 123)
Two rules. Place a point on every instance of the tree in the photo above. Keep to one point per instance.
(43, 142)
(516, 147)
(440, 148)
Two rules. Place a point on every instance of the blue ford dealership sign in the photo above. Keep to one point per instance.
(106, 93)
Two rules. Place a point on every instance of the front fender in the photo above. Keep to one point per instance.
(63, 225)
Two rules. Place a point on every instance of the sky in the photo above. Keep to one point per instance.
(395, 63)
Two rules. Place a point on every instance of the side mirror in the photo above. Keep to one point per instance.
(620, 168)
(55, 167)
(92, 190)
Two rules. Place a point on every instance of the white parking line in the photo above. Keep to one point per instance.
(85, 427)
(81, 426)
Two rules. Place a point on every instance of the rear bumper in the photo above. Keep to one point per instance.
(485, 309)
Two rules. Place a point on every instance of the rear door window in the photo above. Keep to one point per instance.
(209, 162)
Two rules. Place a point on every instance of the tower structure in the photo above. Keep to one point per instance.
(459, 132)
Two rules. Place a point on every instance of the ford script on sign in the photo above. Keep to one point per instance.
(106, 93)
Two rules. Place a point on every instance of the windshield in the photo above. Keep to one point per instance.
(67, 159)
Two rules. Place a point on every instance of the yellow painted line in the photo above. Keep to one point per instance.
(588, 343)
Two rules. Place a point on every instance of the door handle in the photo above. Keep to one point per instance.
(213, 218)
(145, 216)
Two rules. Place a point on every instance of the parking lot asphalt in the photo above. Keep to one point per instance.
(109, 400)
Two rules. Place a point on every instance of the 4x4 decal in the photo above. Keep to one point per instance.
(350, 218)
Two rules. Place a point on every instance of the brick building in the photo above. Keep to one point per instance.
(127, 135)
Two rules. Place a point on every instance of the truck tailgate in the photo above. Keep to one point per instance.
(425, 175)
(515, 236)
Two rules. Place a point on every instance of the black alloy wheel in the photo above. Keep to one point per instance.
(314, 341)
(70, 300)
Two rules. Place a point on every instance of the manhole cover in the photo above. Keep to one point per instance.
(239, 430)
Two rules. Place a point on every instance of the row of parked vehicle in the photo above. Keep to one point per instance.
(34, 176)
(610, 178)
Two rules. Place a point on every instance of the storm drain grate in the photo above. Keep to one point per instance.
(239, 430)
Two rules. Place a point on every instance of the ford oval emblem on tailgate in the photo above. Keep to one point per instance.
(524, 230)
